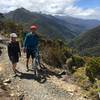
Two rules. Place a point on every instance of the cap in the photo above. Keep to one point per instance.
(13, 35)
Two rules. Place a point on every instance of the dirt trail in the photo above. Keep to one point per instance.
(30, 88)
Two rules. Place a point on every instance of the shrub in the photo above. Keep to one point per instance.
(78, 61)
(54, 53)
(81, 78)
(93, 68)
(74, 62)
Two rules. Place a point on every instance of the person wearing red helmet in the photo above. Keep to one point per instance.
(31, 44)
(33, 27)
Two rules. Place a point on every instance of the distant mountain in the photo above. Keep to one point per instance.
(88, 43)
(65, 28)
(1, 16)
(48, 25)
(81, 25)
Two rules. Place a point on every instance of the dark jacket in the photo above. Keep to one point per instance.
(14, 49)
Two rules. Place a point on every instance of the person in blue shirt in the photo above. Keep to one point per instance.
(31, 44)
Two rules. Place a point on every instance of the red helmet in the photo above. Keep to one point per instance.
(33, 27)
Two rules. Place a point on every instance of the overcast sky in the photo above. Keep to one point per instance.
(78, 8)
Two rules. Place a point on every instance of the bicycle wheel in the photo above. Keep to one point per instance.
(35, 67)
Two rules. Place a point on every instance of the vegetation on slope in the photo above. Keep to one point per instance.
(88, 43)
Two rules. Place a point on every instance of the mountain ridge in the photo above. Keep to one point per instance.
(48, 25)
(88, 43)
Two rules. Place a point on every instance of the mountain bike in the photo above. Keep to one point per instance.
(36, 63)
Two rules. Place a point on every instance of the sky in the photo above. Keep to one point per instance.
(87, 9)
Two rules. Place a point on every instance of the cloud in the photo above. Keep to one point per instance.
(47, 6)
(88, 13)
(64, 7)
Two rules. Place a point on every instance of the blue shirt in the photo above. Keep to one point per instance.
(31, 41)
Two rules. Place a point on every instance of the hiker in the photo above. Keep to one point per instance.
(31, 44)
(14, 51)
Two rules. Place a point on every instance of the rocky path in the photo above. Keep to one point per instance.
(27, 87)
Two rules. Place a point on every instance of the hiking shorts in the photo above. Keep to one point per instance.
(14, 59)
(30, 53)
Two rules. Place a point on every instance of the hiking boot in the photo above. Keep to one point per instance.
(18, 73)
(14, 75)
(27, 70)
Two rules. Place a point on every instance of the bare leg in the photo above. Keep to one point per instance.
(14, 67)
(27, 61)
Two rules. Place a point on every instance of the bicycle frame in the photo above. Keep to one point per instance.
(36, 62)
